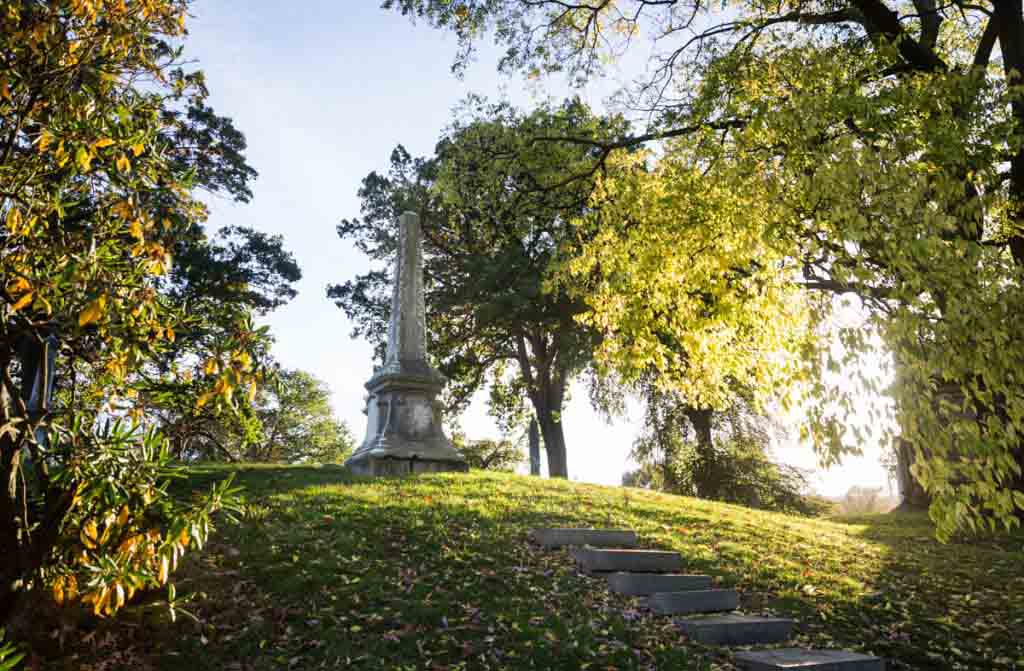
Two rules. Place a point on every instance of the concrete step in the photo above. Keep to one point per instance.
(808, 660)
(736, 629)
(642, 584)
(599, 560)
(556, 538)
(694, 601)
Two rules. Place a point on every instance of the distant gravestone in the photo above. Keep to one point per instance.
(403, 416)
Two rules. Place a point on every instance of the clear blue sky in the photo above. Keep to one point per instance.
(323, 90)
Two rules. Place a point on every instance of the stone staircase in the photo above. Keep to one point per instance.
(654, 576)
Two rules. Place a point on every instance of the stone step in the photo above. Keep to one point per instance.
(736, 629)
(599, 560)
(555, 538)
(694, 601)
(642, 584)
(808, 660)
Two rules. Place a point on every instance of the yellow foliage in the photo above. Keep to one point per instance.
(93, 312)
(88, 534)
(58, 590)
(164, 570)
(23, 301)
(13, 220)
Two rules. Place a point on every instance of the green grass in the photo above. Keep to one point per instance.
(328, 571)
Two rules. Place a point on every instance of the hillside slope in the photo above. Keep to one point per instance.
(435, 572)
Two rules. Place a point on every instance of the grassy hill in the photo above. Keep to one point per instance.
(327, 571)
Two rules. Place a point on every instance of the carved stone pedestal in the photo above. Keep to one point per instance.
(403, 429)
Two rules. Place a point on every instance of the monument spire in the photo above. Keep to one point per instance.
(404, 432)
(407, 337)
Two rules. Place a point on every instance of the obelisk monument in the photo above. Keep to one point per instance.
(403, 416)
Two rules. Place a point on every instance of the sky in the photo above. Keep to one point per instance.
(323, 91)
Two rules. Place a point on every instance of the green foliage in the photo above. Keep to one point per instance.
(495, 206)
(812, 152)
(9, 655)
(123, 531)
(298, 423)
(221, 283)
(106, 139)
(391, 572)
(718, 455)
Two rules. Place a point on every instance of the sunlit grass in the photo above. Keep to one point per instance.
(328, 571)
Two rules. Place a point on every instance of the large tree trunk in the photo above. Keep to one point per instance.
(554, 446)
(912, 494)
(706, 476)
(546, 381)
(1010, 25)
(534, 447)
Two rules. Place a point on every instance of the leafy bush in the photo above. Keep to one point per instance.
(123, 531)
(738, 473)
(107, 137)
(9, 655)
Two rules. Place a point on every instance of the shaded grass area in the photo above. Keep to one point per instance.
(330, 571)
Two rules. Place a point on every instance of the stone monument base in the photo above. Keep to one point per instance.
(365, 464)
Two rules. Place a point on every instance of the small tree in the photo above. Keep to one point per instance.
(298, 423)
(719, 455)
(488, 454)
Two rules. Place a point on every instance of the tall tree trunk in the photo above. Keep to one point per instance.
(706, 477)
(13, 556)
(554, 445)
(912, 494)
(534, 447)
(1010, 23)
(546, 381)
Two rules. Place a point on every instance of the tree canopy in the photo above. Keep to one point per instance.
(495, 228)
(874, 151)
(105, 144)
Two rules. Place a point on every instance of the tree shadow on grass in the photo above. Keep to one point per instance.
(388, 573)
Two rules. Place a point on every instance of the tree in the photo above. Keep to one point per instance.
(717, 455)
(495, 213)
(863, 501)
(103, 140)
(877, 147)
(237, 274)
(489, 455)
(298, 423)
